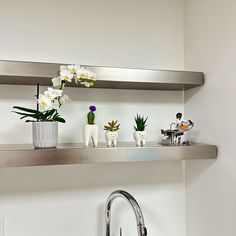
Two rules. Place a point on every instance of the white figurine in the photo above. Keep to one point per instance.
(140, 138)
(91, 129)
(111, 138)
(111, 134)
(140, 134)
(91, 132)
(182, 125)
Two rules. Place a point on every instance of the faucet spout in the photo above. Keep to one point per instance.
(142, 231)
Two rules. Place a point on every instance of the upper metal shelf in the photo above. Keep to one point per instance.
(29, 73)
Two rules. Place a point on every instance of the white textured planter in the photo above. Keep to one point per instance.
(45, 134)
(111, 138)
(140, 138)
(91, 132)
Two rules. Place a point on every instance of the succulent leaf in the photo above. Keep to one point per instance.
(140, 123)
(112, 126)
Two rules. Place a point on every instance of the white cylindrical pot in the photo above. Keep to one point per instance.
(45, 134)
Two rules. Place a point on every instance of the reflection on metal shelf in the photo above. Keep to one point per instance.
(29, 73)
(69, 154)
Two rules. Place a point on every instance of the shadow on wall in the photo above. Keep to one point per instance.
(12, 92)
(191, 93)
(201, 167)
(116, 175)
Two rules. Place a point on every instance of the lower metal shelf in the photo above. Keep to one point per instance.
(69, 154)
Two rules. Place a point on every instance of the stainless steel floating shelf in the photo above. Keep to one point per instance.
(29, 73)
(70, 154)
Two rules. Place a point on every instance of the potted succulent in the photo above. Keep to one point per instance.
(46, 117)
(91, 129)
(111, 134)
(140, 134)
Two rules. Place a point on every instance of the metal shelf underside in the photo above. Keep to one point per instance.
(29, 73)
(69, 154)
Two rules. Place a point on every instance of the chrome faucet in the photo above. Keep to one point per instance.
(142, 231)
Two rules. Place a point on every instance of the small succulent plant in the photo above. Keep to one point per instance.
(91, 115)
(112, 126)
(140, 123)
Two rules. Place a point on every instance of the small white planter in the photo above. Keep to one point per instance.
(45, 134)
(140, 138)
(111, 138)
(91, 132)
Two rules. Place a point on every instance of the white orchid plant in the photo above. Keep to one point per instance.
(53, 99)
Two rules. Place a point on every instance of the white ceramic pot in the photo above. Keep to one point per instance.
(91, 132)
(140, 138)
(45, 134)
(111, 138)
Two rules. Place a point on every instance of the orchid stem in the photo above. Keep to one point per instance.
(37, 96)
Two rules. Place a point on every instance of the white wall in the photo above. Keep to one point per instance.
(97, 32)
(70, 199)
(210, 34)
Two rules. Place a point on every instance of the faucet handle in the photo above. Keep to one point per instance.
(144, 230)
(120, 231)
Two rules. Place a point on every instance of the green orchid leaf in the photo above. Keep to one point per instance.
(59, 119)
(25, 109)
(25, 114)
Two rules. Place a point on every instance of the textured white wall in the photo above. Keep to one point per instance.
(70, 199)
(210, 34)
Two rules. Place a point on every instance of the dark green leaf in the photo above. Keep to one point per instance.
(25, 114)
(25, 109)
(59, 119)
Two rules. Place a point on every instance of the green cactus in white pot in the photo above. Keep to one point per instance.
(91, 129)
